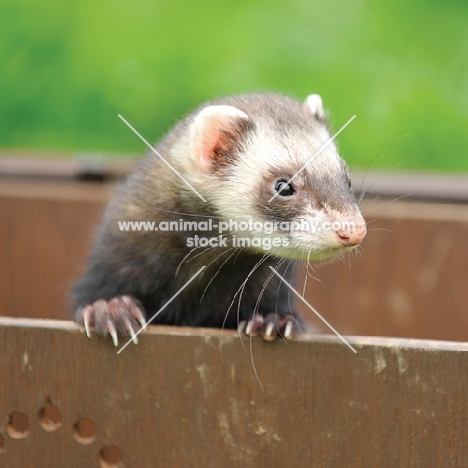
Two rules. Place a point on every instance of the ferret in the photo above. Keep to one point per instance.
(258, 158)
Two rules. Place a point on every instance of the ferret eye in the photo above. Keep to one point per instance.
(283, 188)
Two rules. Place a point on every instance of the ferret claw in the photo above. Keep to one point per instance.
(288, 332)
(132, 332)
(270, 327)
(251, 327)
(270, 332)
(113, 333)
(88, 333)
(86, 320)
(241, 326)
(121, 315)
(135, 310)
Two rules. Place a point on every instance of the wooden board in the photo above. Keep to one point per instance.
(190, 398)
(45, 233)
(409, 279)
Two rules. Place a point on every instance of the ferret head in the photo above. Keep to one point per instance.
(269, 159)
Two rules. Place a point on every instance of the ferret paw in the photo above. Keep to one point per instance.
(271, 327)
(122, 315)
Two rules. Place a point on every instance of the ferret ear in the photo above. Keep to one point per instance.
(315, 105)
(217, 132)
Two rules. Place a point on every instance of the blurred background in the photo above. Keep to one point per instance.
(68, 68)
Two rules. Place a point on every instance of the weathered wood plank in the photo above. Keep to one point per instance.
(189, 397)
(410, 279)
(378, 182)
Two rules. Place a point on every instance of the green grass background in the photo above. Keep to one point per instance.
(68, 68)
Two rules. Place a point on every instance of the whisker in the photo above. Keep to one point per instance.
(279, 286)
(257, 304)
(219, 269)
(388, 203)
(289, 290)
(201, 253)
(182, 261)
(243, 284)
(359, 251)
(373, 220)
(382, 229)
(306, 275)
(195, 256)
(280, 262)
(375, 181)
(363, 194)
(176, 212)
(264, 258)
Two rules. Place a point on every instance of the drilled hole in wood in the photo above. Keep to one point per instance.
(85, 431)
(18, 426)
(110, 457)
(50, 418)
(2, 443)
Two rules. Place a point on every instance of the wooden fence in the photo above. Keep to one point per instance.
(207, 398)
(203, 398)
(409, 279)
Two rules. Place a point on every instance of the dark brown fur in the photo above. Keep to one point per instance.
(152, 266)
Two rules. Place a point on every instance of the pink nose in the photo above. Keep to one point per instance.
(350, 237)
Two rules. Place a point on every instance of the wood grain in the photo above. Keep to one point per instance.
(409, 279)
(190, 398)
